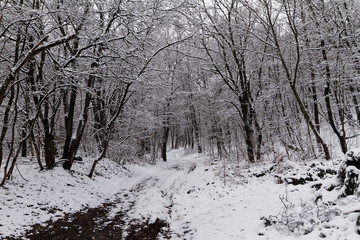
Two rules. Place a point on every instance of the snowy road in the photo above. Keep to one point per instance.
(186, 193)
(184, 198)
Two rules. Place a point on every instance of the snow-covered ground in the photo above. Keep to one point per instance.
(49, 194)
(189, 193)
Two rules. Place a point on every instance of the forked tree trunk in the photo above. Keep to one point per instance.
(75, 142)
(6, 122)
(327, 91)
(37, 151)
(69, 108)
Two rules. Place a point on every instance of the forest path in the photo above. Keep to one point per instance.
(139, 212)
(179, 199)
(107, 221)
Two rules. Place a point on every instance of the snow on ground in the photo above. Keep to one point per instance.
(202, 207)
(189, 193)
(49, 194)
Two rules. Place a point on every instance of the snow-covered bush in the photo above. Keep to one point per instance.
(351, 182)
(302, 219)
(348, 174)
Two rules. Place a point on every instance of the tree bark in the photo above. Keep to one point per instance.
(24, 144)
(37, 150)
(96, 161)
(75, 142)
(165, 137)
(196, 128)
(69, 109)
(327, 91)
(6, 122)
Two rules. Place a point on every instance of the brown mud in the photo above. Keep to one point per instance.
(101, 223)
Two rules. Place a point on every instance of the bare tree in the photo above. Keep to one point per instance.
(226, 40)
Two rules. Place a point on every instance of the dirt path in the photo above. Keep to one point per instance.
(184, 198)
(122, 218)
(108, 221)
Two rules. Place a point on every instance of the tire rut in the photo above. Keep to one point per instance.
(101, 222)
(110, 220)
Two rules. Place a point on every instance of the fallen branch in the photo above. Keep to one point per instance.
(355, 211)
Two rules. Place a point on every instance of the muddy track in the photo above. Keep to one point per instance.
(101, 222)
(112, 220)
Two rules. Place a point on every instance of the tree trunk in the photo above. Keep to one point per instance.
(247, 117)
(102, 155)
(69, 109)
(24, 145)
(7, 173)
(37, 151)
(259, 139)
(249, 134)
(327, 91)
(356, 103)
(6, 122)
(195, 125)
(75, 142)
(49, 149)
(165, 137)
(153, 147)
(311, 124)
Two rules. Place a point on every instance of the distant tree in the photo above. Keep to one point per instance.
(227, 40)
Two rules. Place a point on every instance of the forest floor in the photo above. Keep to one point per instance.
(188, 197)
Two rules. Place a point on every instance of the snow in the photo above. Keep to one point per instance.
(26, 203)
(189, 193)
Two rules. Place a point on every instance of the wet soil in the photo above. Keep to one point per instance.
(98, 224)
